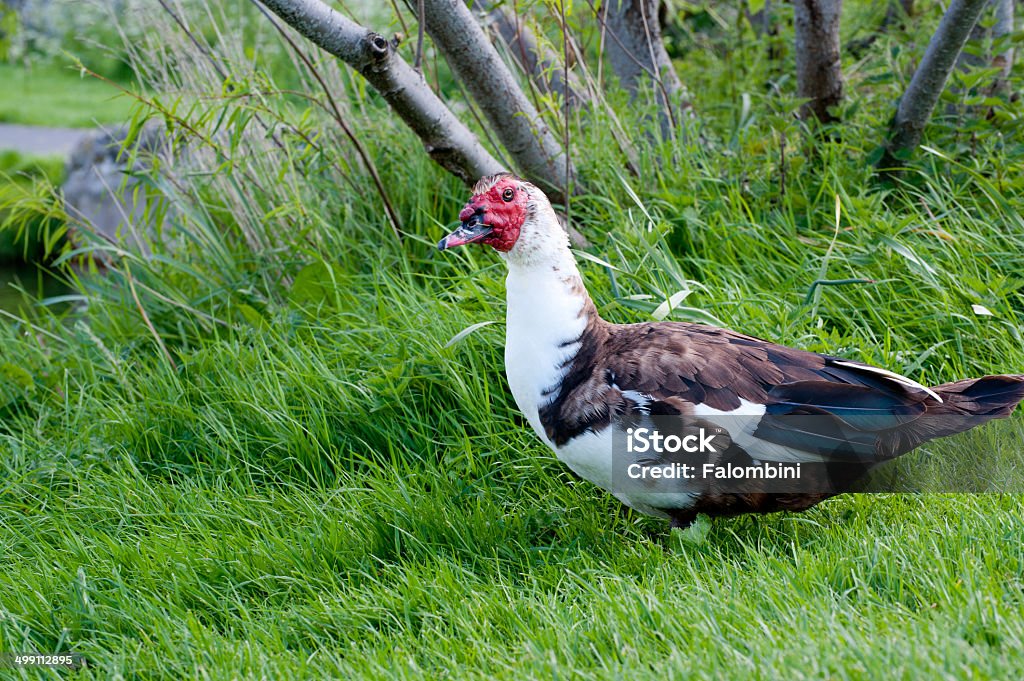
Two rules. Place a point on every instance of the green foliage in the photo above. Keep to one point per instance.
(256, 451)
(28, 225)
(8, 29)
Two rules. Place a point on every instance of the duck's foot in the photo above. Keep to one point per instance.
(681, 519)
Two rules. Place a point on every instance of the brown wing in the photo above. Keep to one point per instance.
(669, 367)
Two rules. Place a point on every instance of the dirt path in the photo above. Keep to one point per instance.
(28, 139)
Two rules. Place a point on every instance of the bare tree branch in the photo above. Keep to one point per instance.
(636, 51)
(446, 139)
(540, 64)
(513, 117)
(819, 74)
(929, 80)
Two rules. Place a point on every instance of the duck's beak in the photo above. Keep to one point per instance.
(471, 230)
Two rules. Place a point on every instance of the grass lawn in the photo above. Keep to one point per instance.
(254, 452)
(319, 487)
(57, 96)
(518, 572)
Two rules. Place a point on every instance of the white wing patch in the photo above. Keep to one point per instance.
(742, 422)
(885, 373)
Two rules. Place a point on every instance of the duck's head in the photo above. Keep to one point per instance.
(511, 216)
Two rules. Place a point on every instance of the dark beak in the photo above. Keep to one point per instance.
(472, 230)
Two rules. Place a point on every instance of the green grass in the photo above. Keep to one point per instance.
(253, 455)
(58, 96)
(22, 177)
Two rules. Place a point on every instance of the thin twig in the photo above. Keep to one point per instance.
(604, 25)
(420, 21)
(401, 19)
(295, 129)
(170, 115)
(565, 112)
(396, 224)
(206, 53)
(214, 63)
(145, 317)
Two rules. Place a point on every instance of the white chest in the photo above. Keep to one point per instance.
(544, 321)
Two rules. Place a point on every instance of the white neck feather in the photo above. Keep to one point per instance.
(545, 315)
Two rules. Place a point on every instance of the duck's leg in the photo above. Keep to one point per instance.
(681, 519)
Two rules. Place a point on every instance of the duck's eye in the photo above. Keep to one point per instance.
(508, 195)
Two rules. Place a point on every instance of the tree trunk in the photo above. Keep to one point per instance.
(1004, 26)
(446, 139)
(540, 64)
(512, 116)
(819, 74)
(635, 50)
(929, 80)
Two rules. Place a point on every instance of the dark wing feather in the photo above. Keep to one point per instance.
(851, 407)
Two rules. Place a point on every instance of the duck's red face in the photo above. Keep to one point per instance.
(493, 217)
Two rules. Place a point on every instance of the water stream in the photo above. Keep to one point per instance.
(22, 285)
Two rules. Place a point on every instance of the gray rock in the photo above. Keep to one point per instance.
(103, 197)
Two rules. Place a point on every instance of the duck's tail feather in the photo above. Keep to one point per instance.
(965, 404)
(990, 397)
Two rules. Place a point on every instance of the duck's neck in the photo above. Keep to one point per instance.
(548, 313)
